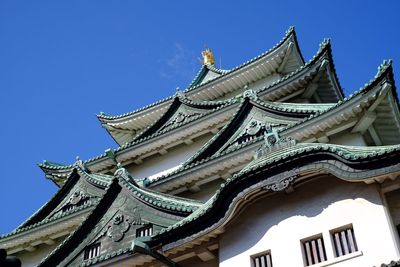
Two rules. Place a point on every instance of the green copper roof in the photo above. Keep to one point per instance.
(281, 156)
(383, 70)
(290, 32)
(324, 48)
(51, 219)
(123, 187)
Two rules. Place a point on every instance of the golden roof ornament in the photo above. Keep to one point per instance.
(208, 57)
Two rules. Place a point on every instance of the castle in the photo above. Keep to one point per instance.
(266, 164)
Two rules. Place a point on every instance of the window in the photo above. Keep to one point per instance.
(344, 241)
(262, 260)
(145, 231)
(92, 251)
(314, 250)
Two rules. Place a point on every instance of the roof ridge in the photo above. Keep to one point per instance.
(155, 199)
(288, 33)
(111, 189)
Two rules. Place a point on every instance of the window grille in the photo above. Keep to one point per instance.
(92, 251)
(262, 260)
(344, 241)
(145, 231)
(314, 250)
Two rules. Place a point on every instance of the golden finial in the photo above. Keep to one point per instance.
(208, 57)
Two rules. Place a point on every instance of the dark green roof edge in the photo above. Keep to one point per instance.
(53, 202)
(353, 156)
(176, 205)
(179, 99)
(64, 249)
(55, 218)
(385, 71)
(325, 47)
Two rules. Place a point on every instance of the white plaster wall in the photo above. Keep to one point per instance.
(349, 139)
(279, 222)
(206, 191)
(30, 259)
(393, 201)
(157, 164)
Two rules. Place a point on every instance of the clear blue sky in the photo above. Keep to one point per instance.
(62, 62)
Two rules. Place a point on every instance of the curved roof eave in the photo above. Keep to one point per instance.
(325, 51)
(385, 73)
(304, 156)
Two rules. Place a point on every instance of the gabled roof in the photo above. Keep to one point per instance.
(378, 97)
(206, 73)
(180, 112)
(124, 204)
(64, 205)
(275, 170)
(319, 117)
(316, 76)
(238, 133)
(287, 49)
(286, 52)
(285, 113)
(298, 79)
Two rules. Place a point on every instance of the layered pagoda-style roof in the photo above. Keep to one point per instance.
(345, 116)
(276, 122)
(300, 78)
(211, 84)
(307, 121)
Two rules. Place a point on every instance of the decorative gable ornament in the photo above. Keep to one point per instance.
(273, 142)
(118, 227)
(121, 172)
(208, 57)
(250, 94)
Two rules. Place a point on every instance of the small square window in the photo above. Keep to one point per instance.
(314, 250)
(92, 251)
(262, 260)
(145, 231)
(344, 241)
